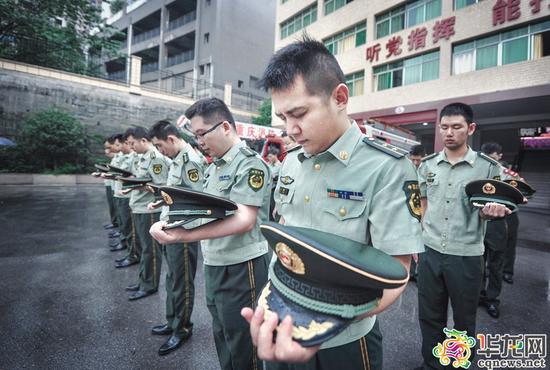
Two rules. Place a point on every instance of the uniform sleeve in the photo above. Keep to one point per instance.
(158, 170)
(421, 174)
(192, 176)
(394, 215)
(252, 182)
(496, 172)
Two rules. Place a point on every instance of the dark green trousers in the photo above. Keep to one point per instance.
(362, 354)
(228, 290)
(495, 247)
(151, 255)
(125, 221)
(440, 277)
(510, 253)
(181, 260)
(110, 202)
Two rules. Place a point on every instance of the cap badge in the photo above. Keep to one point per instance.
(167, 198)
(289, 259)
(489, 188)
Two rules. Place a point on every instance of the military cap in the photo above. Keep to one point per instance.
(485, 191)
(119, 171)
(134, 182)
(187, 205)
(324, 281)
(101, 167)
(155, 190)
(525, 189)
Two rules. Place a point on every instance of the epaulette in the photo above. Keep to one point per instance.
(294, 148)
(247, 151)
(185, 158)
(381, 145)
(429, 156)
(153, 155)
(487, 158)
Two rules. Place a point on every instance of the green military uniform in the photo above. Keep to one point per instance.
(109, 194)
(186, 170)
(123, 204)
(236, 265)
(452, 266)
(500, 239)
(115, 161)
(155, 165)
(359, 189)
(512, 223)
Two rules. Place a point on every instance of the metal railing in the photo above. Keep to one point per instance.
(146, 35)
(183, 20)
(149, 67)
(180, 58)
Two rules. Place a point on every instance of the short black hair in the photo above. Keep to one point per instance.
(119, 137)
(491, 147)
(140, 133)
(162, 129)
(111, 139)
(284, 134)
(129, 132)
(308, 58)
(212, 111)
(417, 150)
(458, 109)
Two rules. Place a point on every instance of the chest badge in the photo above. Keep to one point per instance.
(157, 169)
(287, 180)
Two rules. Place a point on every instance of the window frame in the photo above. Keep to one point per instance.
(331, 42)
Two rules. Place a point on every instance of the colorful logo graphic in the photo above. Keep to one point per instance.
(457, 347)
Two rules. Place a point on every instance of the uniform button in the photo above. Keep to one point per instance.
(317, 166)
(342, 212)
(306, 198)
(443, 245)
(217, 168)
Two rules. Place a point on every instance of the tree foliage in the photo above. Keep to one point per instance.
(264, 118)
(50, 141)
(58, 34)
(117, 5)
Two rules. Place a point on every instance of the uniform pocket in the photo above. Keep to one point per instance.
(345, 209)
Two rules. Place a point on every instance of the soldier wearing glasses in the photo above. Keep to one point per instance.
(234, 250)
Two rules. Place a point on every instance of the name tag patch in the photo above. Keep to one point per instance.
(283, 190)
(224, 177)
(345, 194)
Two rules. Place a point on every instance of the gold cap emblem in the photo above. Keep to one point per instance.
(343, 155)
(514, 183)
(167, 198)
(289, 259)
(489, 188)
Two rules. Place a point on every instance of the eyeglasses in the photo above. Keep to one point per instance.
(201, 135)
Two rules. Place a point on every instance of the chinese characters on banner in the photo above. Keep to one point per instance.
(442, 29)
(250, 131)
(502, 11)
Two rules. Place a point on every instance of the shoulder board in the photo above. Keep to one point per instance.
(429, 156)
(247, 151)
(185, 158)
(487, 158)
(153, 155)
(392, 150)
(294, 148)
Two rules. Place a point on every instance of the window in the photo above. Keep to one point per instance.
(201, 70)
(299, 21)
(253, 82)
(206, 37)
(356, 82)
(406, 72)
(240, 84)
(332, 5)
(347, 39)
(526, 43)
(409, 15)
(459, 4)
(283, 1)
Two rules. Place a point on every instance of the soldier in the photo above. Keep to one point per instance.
(452, 266)
(235, 254)
(339, 182)
(154, 165)
(415, 155)
(110, 153)
(186, 171)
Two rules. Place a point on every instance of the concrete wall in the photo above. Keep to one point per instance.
(104, 107)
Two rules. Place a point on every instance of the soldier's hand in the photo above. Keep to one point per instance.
(125, 191)
(163, 236)
(151, 206)
(525, 201)
(95, 174)
(494, 210)
(283, 348)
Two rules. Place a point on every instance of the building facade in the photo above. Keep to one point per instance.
(196, 47)
(405, 60)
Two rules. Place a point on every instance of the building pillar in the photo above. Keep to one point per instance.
(227, 91)
(163, 50)
(135, 70)
(129, 37)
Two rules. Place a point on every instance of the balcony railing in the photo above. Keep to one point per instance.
(146, 35)
(117, 76)
(149, 67)
(180, 58)
(184, 19)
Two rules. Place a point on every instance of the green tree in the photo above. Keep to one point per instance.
(58, 34)
(50, 141)
(117, 5)
(264, 117)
